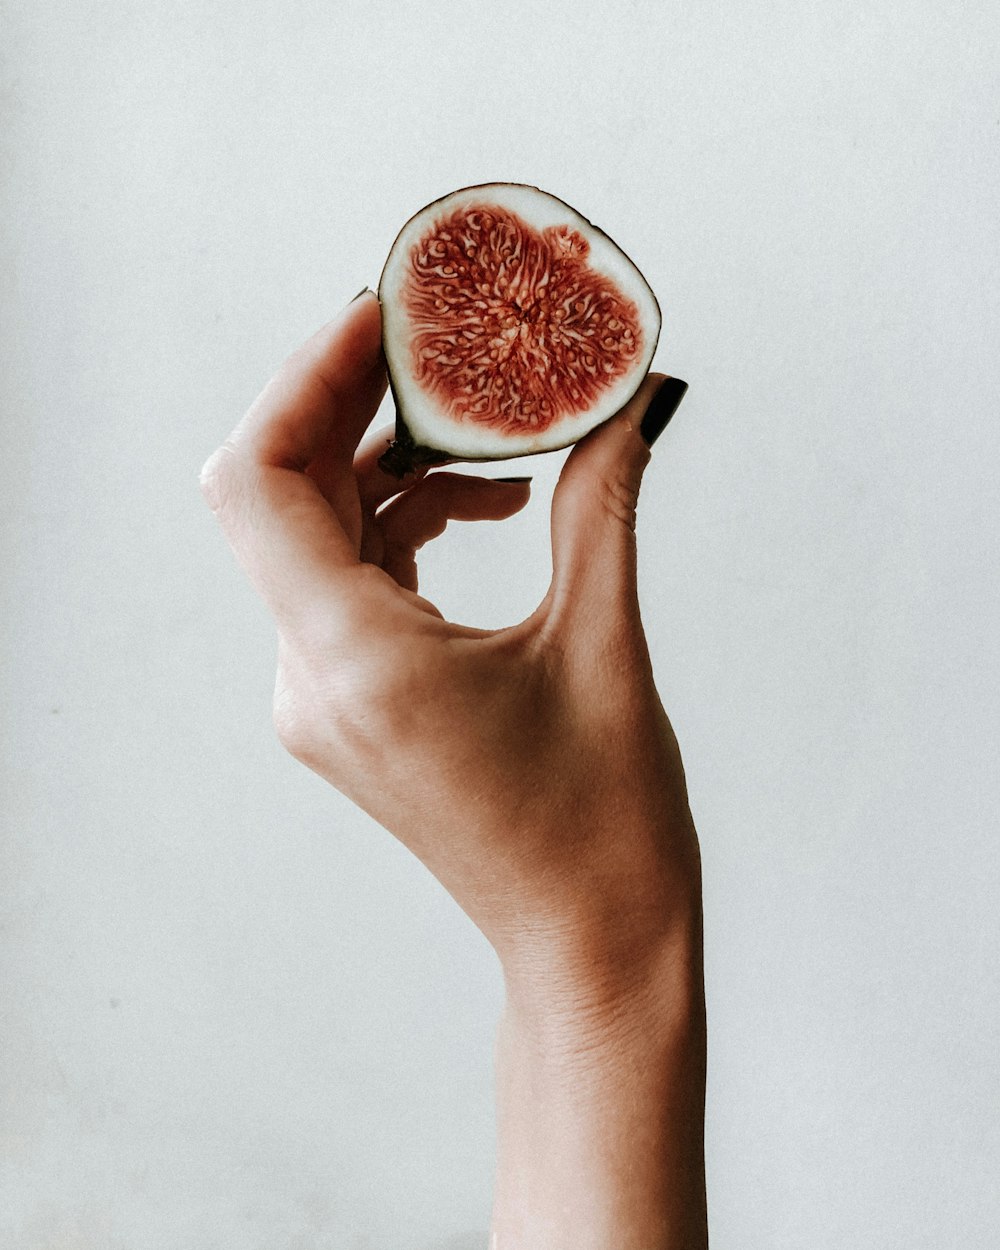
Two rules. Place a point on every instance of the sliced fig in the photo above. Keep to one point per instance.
(511, 325)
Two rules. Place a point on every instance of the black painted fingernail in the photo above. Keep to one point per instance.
(512, 480)
(359, 294)
(661, 408)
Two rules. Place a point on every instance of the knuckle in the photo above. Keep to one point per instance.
(335, 713)
(294, 726)
(619, 499)
(220, 478)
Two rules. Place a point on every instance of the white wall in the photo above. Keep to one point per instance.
(235, 1014)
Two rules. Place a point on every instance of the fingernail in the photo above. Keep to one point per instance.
(661, 408)
(359, 294)
(513, 480)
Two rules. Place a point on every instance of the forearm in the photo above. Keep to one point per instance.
(600, 1103)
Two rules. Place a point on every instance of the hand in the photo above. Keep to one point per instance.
(532, 769)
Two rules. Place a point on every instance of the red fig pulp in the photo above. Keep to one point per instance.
(511, 325)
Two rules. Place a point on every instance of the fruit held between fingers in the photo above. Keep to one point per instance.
(511, 325)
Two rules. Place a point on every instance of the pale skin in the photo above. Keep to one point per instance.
(532, 769)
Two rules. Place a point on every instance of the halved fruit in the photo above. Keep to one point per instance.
(510, 324)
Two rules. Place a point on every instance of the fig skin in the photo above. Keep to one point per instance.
(406, 452)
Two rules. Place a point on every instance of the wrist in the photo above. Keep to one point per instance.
(598, 979)
(600, 1086)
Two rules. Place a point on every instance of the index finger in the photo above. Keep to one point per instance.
(284, 533)
(321, 399)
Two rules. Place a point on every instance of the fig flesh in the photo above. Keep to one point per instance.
(510, 324)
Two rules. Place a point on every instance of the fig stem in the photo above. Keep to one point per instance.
(404, 456)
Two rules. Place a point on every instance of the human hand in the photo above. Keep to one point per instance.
(532, 769)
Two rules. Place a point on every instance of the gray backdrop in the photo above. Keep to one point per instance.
(235, 1014)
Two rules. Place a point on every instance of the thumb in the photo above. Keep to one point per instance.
(593, 515)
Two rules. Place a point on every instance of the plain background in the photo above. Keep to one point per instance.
(235, 1014)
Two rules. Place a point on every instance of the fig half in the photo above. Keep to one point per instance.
(510, 324)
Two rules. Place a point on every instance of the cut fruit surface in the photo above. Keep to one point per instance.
(510, 325)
